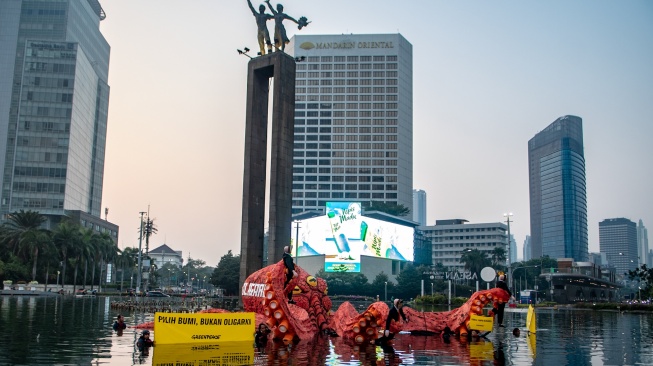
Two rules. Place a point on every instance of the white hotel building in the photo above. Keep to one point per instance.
(353, 120)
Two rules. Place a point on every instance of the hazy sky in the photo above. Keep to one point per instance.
(488, 75)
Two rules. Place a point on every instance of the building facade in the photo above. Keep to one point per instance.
(353, 120)
(558, 200)
(419, 206)
(164, 254)
(53, 106)
(513, 249)
(526, 250)
(618, 241)
(450, 238)
(642, 244)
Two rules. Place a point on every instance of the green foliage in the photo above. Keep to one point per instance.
(389, 208)
(409, 281)
(475, 260)
(644, 276)
(226, 274)
(436, 299)
(346, 283)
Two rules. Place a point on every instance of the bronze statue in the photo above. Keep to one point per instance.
(261, 20)
(280, 37)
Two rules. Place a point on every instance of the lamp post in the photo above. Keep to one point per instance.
(58, 278)
(512, 272)
(140, 263)
(386, 292)
(507, 216)
(297, 241)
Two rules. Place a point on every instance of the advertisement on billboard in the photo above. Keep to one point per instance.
(343, 235)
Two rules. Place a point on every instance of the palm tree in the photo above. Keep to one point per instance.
(126, 259)
(474, 260)
(109, 251)
(149, 229)
(498, 255)
(89, 250)
(23, 233)
(65, 237)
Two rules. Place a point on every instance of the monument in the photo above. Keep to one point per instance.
(281, 67)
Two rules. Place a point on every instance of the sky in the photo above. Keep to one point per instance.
(487, 76)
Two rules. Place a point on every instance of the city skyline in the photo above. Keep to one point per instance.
(486, 78)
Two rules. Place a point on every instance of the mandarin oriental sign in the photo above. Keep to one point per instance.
(344, 45)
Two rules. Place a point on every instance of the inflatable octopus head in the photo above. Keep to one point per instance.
(309, 292)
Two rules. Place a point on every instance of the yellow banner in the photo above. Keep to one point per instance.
(481, 351)
(479, 322)
(170, 328)
(231, 353)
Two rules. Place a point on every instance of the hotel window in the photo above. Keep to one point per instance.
(327, 67)
(313, 75)
(327, 59)
(392, 66)
(366, 66)
(352, 74)
(379, 58)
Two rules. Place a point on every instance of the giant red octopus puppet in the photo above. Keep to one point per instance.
(264, 293)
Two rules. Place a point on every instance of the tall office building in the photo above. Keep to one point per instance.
(527, 248)
(419, 206)
(558, 200)
(513, 249)
(353, 120)
(642, 244)
(451, 238)
(618, 241)
(54, 65)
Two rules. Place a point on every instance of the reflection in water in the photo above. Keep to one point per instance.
(68, 330)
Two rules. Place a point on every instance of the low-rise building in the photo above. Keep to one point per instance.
(164, 254)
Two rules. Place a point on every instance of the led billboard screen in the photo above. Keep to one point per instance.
(343, 235)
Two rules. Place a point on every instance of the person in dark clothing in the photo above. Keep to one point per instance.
(392, 315)
(501, 283)
(144, 341)
(119, 324)
(290, 270)
(261, 335)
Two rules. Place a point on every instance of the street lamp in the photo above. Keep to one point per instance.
(58, 278)
(386, 291)
(512, 272)
(507, 216)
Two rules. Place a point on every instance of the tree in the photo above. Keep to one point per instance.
(644, 276)
(498, 256)
(474, 260)
(66, 237)
(389, 208)
(226, 274)
(23, 234)
(149, 229)
(409, 281)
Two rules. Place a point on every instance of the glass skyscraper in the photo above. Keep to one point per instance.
(54, 65)
(353, 120)
(558, 201)
(618, 241)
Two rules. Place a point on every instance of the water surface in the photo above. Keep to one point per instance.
(77, 331)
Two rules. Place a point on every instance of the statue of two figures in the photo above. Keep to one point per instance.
(280, 37)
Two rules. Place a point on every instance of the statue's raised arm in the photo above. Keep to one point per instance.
(261, 20)
(280, 36)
